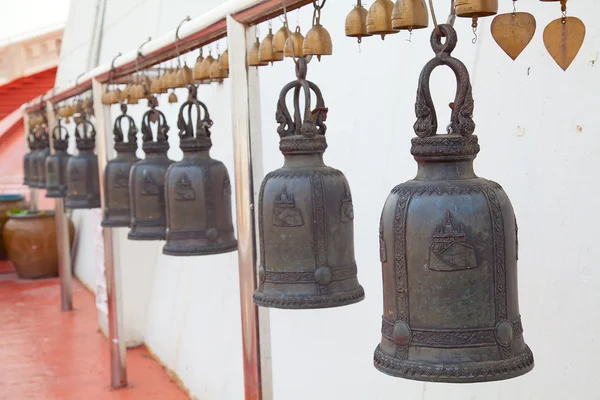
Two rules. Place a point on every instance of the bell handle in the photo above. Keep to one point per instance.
(84, 123)
(461, 118)
(118, 129)
(58, 130)
(203, 123)
(162, 130)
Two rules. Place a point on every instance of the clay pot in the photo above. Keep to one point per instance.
(9, 202)
(30, 240)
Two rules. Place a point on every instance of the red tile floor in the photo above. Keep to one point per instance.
(46, 354)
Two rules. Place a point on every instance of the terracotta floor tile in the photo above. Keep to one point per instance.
(46, 354)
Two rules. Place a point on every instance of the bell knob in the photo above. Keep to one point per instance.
(224, 61)
(356, 22)
(379, 18)
(317, 42)
(204, 72)
(476, 8)
(266, 52)
(280, 38)
(253, 55)
(410, 14)
(297, 40)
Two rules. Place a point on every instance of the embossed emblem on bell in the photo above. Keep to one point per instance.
(448, 248)
(198, 191)
(43, 151)
(147, 180)
(28, 161)
(116, 173)
(56, 163)
(306, 217)
(83, 187)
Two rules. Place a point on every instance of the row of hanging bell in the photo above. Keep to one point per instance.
(56, 163)
(198, 190)
(83, 188)
(147, 179)
(116, 173)
(306, 215)
(449, 251)
(35, 172)
(210, 69)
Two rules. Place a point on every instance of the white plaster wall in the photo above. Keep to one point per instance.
(186, 309)
(547, 172)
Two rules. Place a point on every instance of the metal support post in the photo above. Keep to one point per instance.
(118, 351)
(62, 232)
(246, 133)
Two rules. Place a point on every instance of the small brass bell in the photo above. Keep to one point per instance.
(379, 18)
(132, 100)
(216, 73)
(116, 174)
(265, 51)
(224, 62)
(281, 36)
(83, 189)
(56, 163)
(317, 42)
(449, 250)
(187, 75)
(476, 8)
(198, 68)
(172, 97)
(305, 215)
(296, 42)
(204, 72)
(147, 180)
(410, 14)
(198, 191)
(356, 22)
(163, 82)
(155, 86)
(28, 160)
(41, 155)
(254, 55)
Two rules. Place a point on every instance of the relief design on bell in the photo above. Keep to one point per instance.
(285, 213)
(450, 250)
(184, 189)
(149, 184)
(121, 179)
(76, 174)
(347, 211)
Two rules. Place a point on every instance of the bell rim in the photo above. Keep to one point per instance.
(516, 366)
(188, 253)
(309, 302)
(137, 235)
(115, 223)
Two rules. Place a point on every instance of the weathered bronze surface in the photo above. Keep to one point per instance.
(410, 14)
(305, 215)
(116, 173)
(147, 180)
(28, 161)
(449, 250)
(198, 190)
(476, 8)
(56, 163)
(563, 39)
(43, 151)
(83, 189)
(513, 32)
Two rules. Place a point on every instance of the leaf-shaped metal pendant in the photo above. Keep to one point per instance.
(513, 32)
(563, 38)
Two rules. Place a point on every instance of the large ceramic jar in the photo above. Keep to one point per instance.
(30, 240)
(9, 202)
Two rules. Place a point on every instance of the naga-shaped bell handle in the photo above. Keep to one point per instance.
(154, 115)
(313, 121)
(461, 121)
(203, 124)
(118, 129)
(57, 132)
(87, 128)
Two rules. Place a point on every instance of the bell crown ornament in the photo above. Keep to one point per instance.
(449, 251)
(56, 163)
(60, 136)
(197, 190)
(85, 135)
(116, 173)
(161, 143)
(306, 215)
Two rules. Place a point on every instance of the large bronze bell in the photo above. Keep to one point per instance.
(198, 191)
(83, 188)
(116, 173)
(305, 215)
(147, 180)
(43, 151)
(28, 163)
(56, 163)
(449, 250)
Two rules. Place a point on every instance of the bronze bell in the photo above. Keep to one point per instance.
(116, 173)
(317, 42)
(56, 163)
(253, 57)
(356, 22)
(266, 52)
(294, 44)
(449, 250)
(410, 14)
(198, 191)
(305, 215)
(379, 18)
(279, 39)
(83, 188)
(204, 69)
(43, 151)
(476, 8)
(28, 163)
(147, 180)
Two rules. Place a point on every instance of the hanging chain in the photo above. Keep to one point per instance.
(563, 8)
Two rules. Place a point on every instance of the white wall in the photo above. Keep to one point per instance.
(187, 308)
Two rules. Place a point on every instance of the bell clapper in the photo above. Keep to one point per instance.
(474, 25)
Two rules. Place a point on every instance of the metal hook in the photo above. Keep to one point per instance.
(112, 64)
(77, 79)
(177, 39)
(139, 50)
